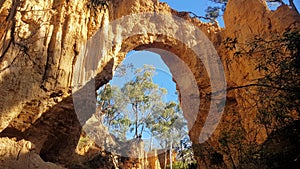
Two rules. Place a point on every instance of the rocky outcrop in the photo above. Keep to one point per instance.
(21, 154)
(41, 42)
(153, 161)
(39, 46)
(163, 156)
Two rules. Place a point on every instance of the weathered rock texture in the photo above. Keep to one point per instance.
(153, 161)
(21, 154)
(41, 40)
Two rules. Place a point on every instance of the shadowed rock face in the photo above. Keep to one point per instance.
(21, 154)
(41, 41)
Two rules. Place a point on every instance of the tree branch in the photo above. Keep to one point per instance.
(292, 4)
(250, 85)
(256, 85)
(202, 17)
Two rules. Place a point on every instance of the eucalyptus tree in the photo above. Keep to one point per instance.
(168, 126)
(138, 106)
(127, 108)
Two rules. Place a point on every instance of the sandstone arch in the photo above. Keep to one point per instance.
(168, 32)
(36, 70)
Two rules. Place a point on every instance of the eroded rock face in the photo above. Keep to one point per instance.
(41, 41)
(39, 46)
(21, 154)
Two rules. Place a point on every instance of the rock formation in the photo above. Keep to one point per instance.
(42, 40)
(21, 154)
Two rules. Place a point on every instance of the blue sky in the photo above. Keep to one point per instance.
(196, 6)
(163, 75)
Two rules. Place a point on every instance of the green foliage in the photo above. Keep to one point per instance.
(181, 165)
(111, 102)
(278, 60)
(222, 4)
(184, 151)
(281, 72)
(214, 12)
(140, 94)
(138, 105)
(167, 122)
(276, 94)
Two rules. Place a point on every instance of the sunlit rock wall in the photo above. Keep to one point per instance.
(41, 41)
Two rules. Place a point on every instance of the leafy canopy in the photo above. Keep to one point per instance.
(138, 107)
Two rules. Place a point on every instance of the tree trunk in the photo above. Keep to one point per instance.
(151, 137)
(292, 4)
(171, 155)
(166, 153)
(134, 107)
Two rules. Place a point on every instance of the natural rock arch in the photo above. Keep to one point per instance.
(35, 87)
(163, 34)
